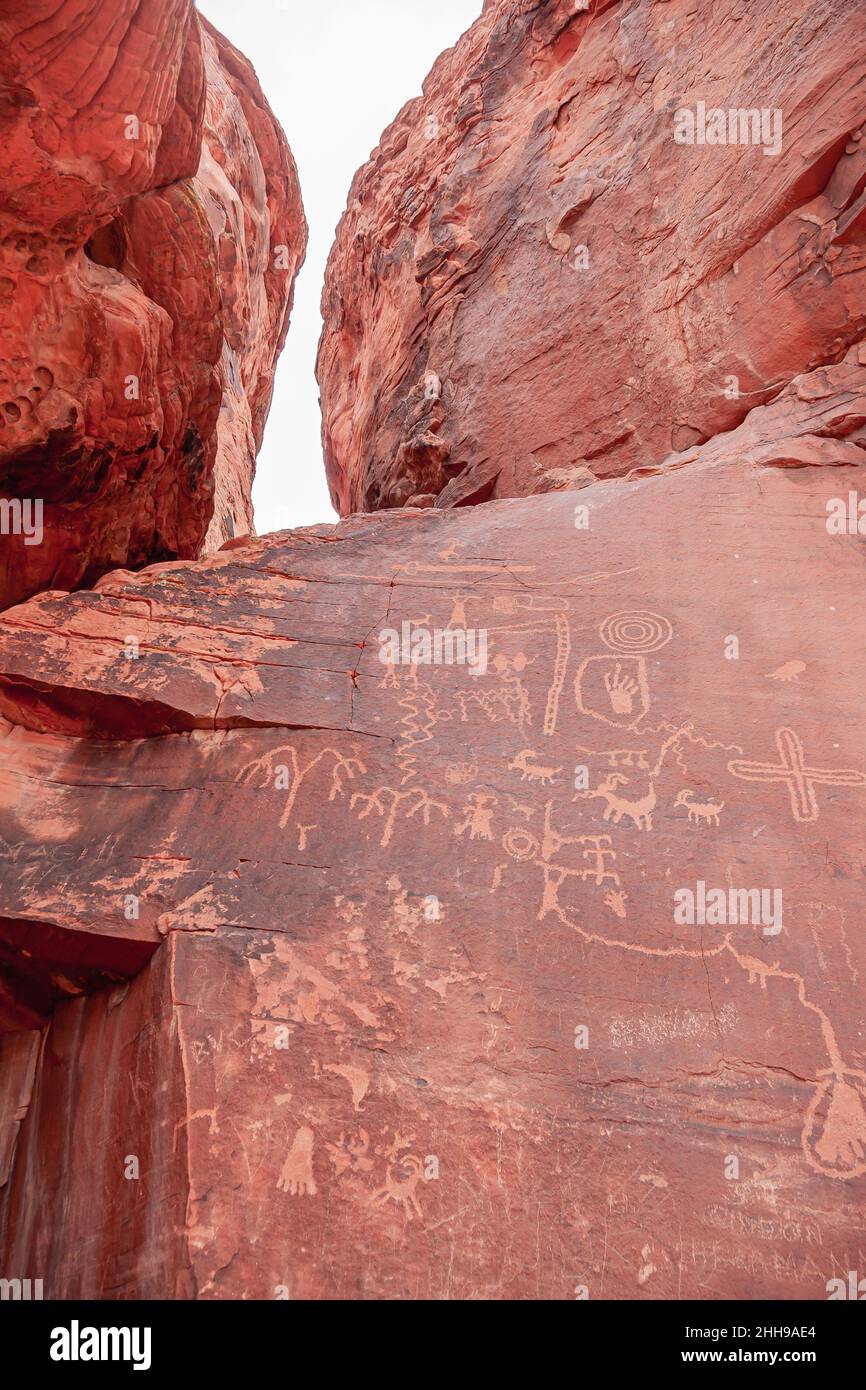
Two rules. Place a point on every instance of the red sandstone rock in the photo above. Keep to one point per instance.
(378, 904)
(150, 231)
(374, 968)
(534, 285)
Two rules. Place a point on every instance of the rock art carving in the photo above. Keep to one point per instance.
(278, 919)
(297, 1177)
(799, 779)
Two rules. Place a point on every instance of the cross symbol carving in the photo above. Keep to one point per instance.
(801, 779)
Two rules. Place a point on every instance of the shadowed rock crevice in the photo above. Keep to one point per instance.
(147, 265)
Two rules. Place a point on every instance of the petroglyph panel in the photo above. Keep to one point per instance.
(427, 981)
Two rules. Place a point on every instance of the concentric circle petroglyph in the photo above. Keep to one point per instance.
(520, 844)
(635, 633)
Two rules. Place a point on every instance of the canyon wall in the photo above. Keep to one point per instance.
(535, 285)
(462, 901)
(350, 975)
(151, 228)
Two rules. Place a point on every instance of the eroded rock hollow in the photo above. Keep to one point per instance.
(461, 901)
(151, 229)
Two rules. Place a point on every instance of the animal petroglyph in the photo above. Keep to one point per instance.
(699, 810)
(530, 770)
(401, 1182)
(639, 811)
(790, 671)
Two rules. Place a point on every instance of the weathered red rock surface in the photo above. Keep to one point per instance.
(150, 231)
(534, 285)
(415, 1017)
(328, 976)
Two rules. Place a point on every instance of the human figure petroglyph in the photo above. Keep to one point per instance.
(478, 816)
(508, 700)
(700, 810)
(297, 1177)
(532, 771)
(833, 1138)
(799, 778)
(390, 680)
(548, 616)
(525, 847)
(557, 874)
(458, 611)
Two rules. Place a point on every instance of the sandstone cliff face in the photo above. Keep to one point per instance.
(374, 966)
(534, 285)
(150, 231)
(535, 973)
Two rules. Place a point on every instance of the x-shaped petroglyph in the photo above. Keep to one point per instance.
(800, 779)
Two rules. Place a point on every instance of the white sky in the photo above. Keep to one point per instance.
(336, 73)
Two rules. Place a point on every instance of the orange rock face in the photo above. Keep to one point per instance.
(150, 231)
(354, 948)
(536, 285)
(462, 901)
